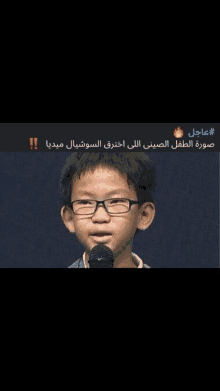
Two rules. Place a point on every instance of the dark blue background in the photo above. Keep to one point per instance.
(185, 231)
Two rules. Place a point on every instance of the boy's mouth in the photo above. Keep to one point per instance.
(100, 234)
(101, 237)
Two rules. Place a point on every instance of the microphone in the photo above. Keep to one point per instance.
(101, 257)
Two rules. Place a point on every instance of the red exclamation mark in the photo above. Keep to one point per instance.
(31, 140)
(35, 143)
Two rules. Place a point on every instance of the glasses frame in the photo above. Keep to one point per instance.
(131, 202)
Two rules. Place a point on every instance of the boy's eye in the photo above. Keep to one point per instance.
(84, 202)
(117, 201)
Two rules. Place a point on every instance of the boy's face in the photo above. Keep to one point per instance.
(102, 184)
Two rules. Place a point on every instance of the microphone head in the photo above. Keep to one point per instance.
(101, 257)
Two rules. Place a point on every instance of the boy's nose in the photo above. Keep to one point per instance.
(101, 214)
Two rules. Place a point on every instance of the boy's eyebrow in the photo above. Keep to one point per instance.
(82, 192)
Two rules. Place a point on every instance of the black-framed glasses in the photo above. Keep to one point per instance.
(112, 206)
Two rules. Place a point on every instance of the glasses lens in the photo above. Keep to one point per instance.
(117, 205)
(84, 207)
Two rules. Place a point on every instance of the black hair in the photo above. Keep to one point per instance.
(138, 167)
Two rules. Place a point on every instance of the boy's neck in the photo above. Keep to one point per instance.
(125, 262)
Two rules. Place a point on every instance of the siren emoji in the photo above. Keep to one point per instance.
(178, 132)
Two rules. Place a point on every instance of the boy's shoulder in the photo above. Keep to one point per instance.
(77, 264)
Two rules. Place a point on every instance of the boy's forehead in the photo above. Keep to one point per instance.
(106, 180)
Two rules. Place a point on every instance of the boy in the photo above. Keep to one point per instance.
(106, 198)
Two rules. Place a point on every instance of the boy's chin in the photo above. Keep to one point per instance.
(94, 244)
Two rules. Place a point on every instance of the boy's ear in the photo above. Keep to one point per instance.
(146, 217)
(67, 218)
